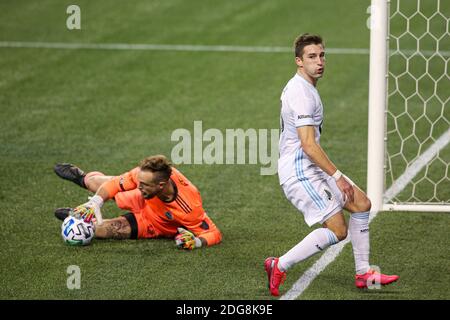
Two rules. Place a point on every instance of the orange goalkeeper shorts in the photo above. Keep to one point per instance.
(141, 226)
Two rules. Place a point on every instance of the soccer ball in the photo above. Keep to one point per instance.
(76, 232)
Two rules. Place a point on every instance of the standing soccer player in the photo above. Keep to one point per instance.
(310, 181)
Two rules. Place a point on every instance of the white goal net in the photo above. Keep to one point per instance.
(417, 113)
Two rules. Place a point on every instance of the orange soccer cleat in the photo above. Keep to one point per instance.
(275, 276)
(373, 277)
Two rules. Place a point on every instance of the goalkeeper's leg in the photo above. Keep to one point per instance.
(91, 181)
(70, 172)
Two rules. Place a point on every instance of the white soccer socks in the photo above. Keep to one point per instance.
(313, 243)
(359, 234)
(322, 238)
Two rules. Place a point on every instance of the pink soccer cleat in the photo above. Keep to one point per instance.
(274, 275)
(372, 277)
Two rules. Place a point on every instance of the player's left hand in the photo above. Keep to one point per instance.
(85, 212)
(187, 240)
(90, 209)
(346, 189)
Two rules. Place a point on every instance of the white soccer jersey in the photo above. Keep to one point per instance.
(300, 106)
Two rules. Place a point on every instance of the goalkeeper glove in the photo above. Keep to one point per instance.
(90, 209)
(187, 240)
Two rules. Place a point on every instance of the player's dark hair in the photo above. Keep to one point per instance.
(305, 40)
(158, 164)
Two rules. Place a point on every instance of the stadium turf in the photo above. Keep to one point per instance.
(107, 109)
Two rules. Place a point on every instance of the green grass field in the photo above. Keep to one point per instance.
(107, 109)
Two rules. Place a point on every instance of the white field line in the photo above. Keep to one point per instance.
(182, 47)
(332, 252)
(164, 47)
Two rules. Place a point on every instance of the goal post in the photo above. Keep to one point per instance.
(409, 114)
(377, 102)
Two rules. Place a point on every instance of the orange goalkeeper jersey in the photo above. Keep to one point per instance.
(157, 218)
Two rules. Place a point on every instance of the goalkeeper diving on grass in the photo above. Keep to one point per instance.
(160, 203)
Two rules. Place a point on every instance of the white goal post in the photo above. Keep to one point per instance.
(408, 166)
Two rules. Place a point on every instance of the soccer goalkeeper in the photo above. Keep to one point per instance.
(161, 202)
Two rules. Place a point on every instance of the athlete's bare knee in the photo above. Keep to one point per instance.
(337, 225)
(365, 205)
(341, 233)
(368, 204)
(94, 180)
(361, 203)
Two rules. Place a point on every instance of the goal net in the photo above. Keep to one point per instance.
(416, 93)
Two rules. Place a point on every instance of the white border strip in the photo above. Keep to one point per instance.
(332, 252)
(189, 48)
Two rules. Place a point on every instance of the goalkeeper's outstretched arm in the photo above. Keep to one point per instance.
(105, 192)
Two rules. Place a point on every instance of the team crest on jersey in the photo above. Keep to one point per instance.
(328, 194)
(169, 215)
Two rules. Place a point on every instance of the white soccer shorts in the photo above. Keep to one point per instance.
(314, 193)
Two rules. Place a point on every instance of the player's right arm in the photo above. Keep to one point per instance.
(124, 182)
(307, 136)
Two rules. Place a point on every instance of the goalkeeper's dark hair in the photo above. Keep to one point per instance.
(305, 40)
(158, 164)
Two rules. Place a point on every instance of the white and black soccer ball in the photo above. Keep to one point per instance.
(76, 232)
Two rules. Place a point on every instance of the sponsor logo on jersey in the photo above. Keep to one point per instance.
(169, 215)
(303, 116)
